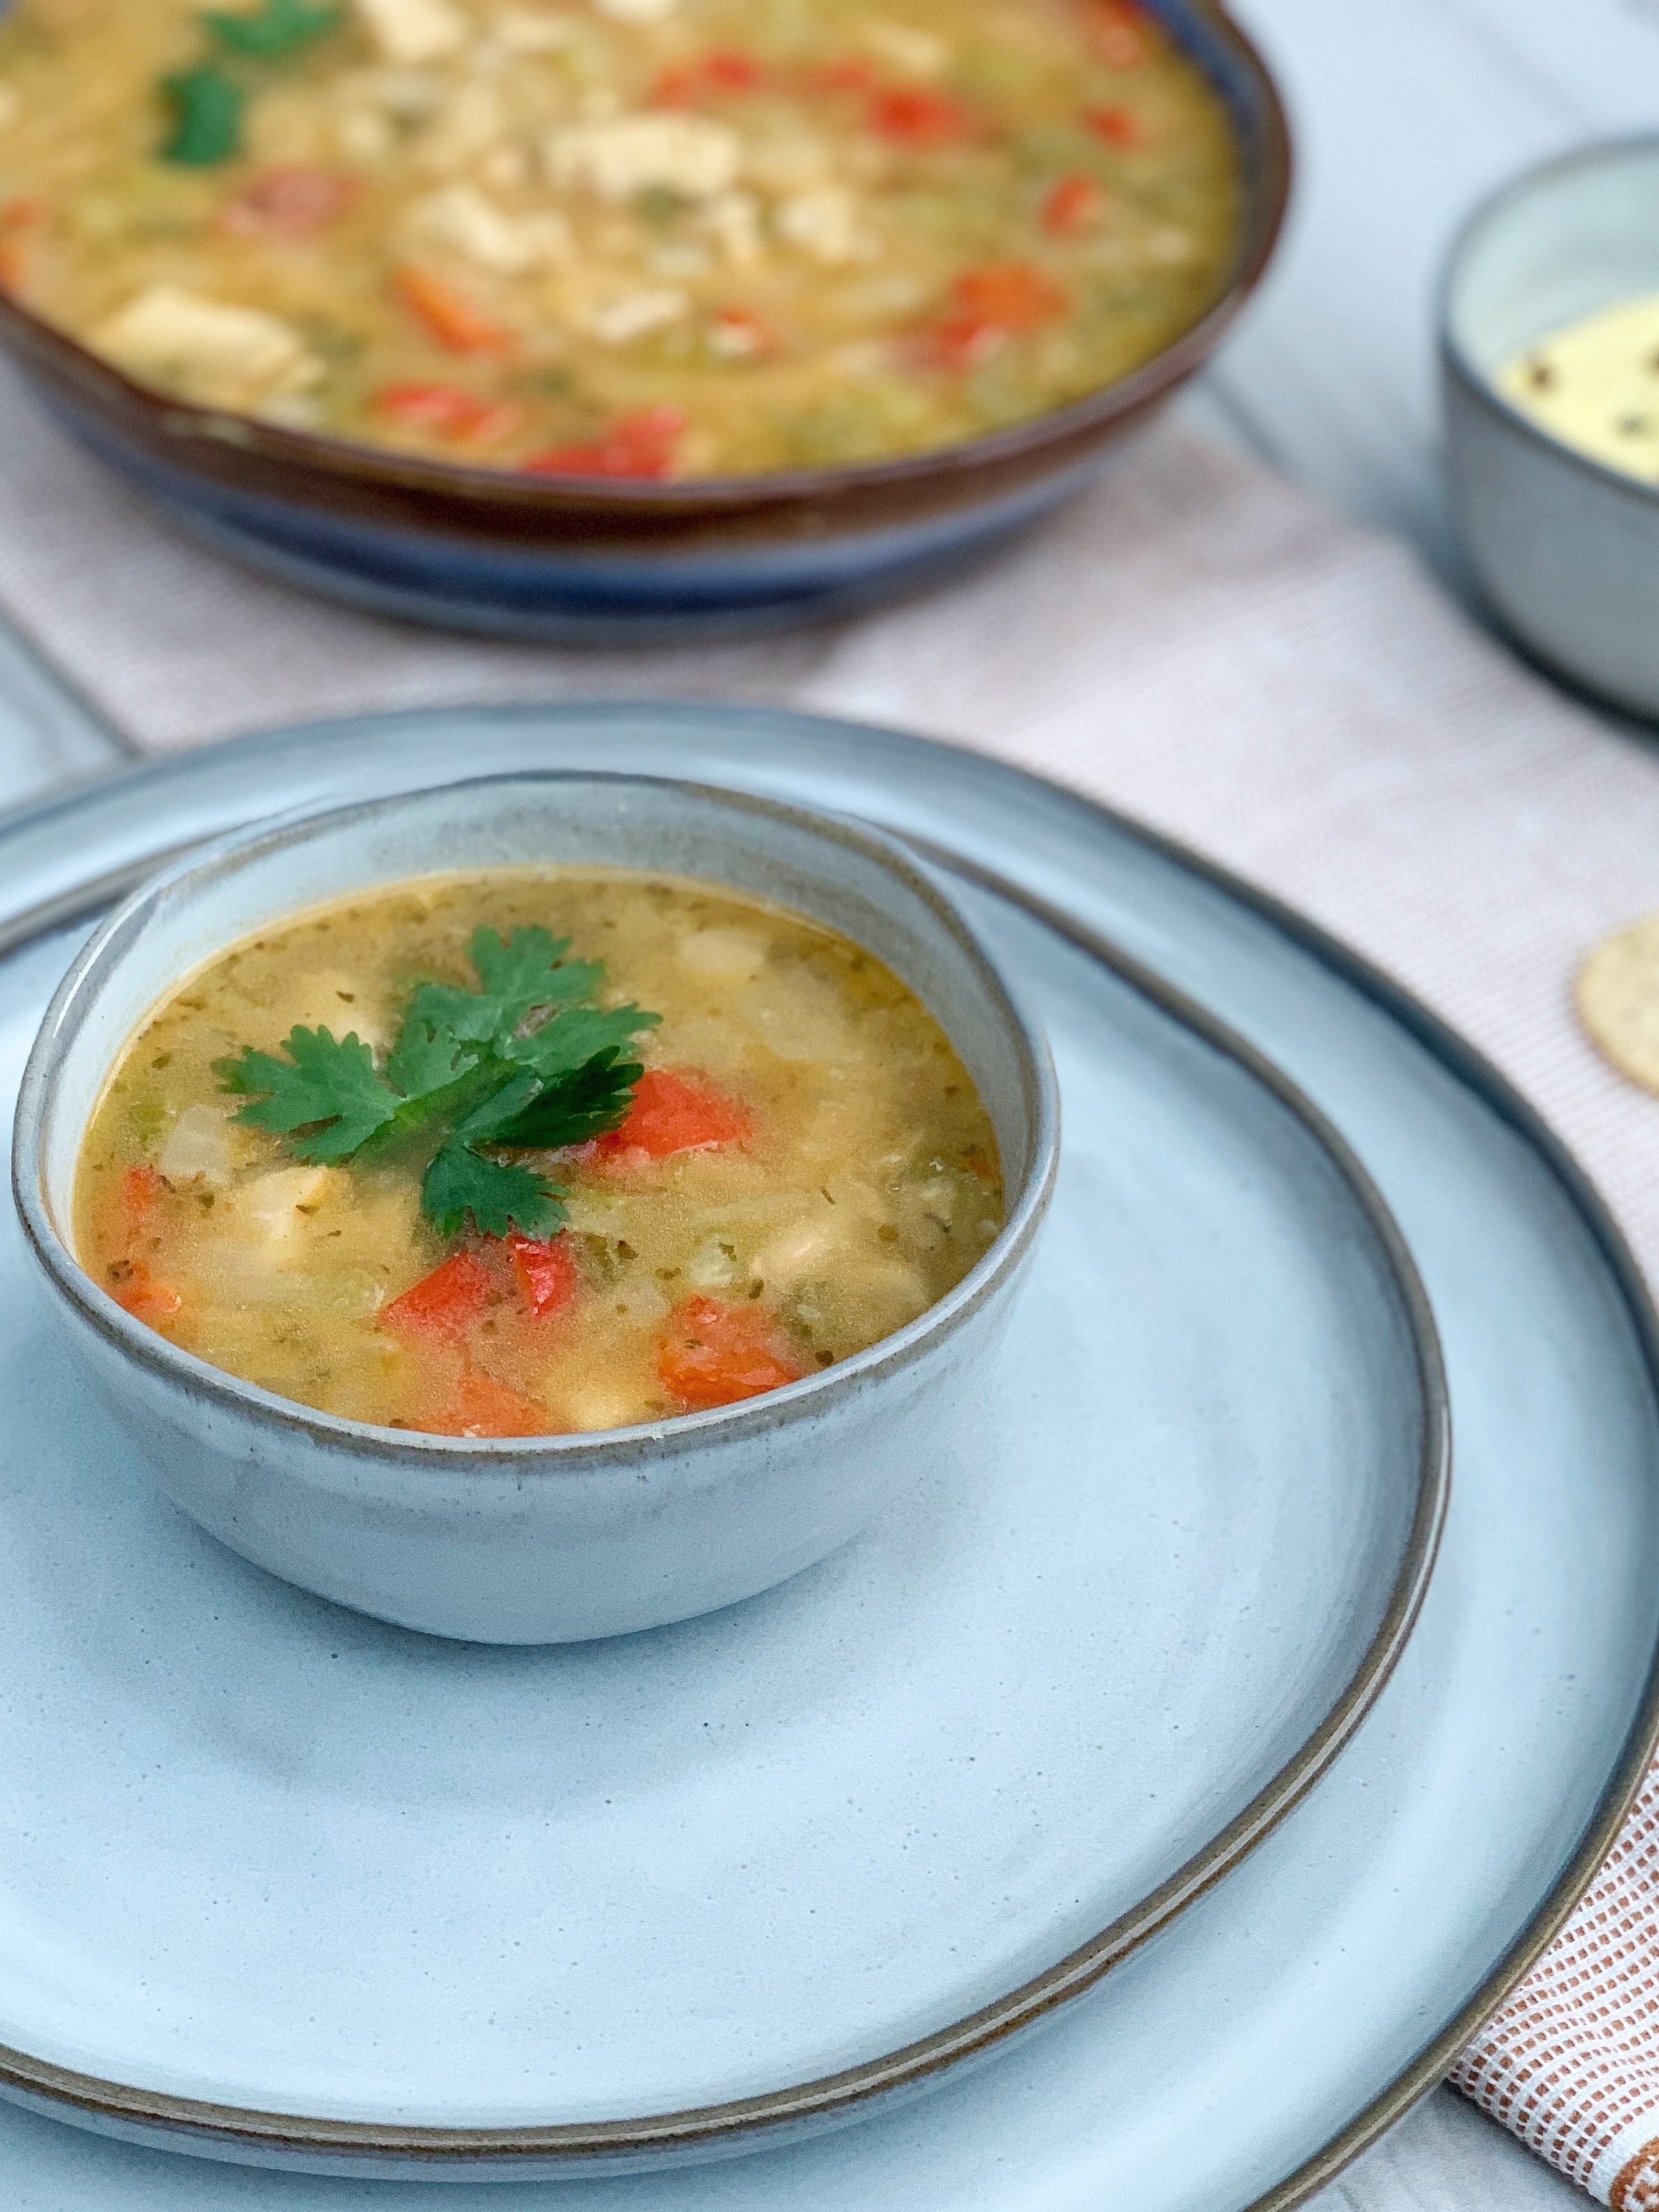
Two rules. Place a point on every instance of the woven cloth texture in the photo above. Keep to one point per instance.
(1197, 643)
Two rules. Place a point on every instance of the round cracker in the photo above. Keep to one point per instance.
(1618, 995)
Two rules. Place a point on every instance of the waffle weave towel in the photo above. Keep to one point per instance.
(1194, 643)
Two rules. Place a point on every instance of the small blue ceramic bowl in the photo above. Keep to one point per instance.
(546, 1539)
(1566, 550)
(571, 558)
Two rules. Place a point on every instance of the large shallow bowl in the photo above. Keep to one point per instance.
(569, 558)
(1566, 549)
(549, 1539)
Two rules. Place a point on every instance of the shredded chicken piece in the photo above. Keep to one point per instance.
(734, 219)
(617, 158)
(217, 355)
(625, 316)
(414, 30)
(823, 222)
(468, 223)
(468, 126)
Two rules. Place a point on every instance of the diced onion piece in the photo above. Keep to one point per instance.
(725, 956)
(272, 1202)
(199, 1143)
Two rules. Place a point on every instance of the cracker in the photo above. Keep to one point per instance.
(1618, 996)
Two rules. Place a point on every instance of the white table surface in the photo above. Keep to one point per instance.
(1405, 112)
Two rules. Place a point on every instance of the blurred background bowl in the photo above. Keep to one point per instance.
(579, 559)
(1566, 550)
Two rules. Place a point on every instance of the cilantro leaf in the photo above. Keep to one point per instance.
(499, 1197)
(428, 1057)
(529, 970)
(449, 1010)
(588, 1103)
(325, 1097)
(465, 1079)
(500, 1109)
(575, 1034)
(207, 117)
(277, 28)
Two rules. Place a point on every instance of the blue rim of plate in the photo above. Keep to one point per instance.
(1466, 1065)
(807, 2107)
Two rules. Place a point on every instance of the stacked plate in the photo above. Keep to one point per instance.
(1141, 1815)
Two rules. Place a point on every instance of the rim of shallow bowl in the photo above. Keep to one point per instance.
(1266, 172)
(78, 992)
(1455, 274)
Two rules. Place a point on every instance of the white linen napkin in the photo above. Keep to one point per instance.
(1197, 643)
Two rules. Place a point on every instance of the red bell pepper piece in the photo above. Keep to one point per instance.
(1074, 203)
(448, 412)
(481, 1407)
(739, 334)
(639, 445)
(850, 75)
(723, 71)
(290, 202)
(1120, 33)
(146, 1296)
(546, 1273)
(1118, 126)
(1001, 300)
(450, 317)
(141, 1188)
(443, 1303)
(21, 220)
(911, 115)
(712, 1354)
(675, 1113)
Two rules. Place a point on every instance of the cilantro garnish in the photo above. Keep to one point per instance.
(208, 102)
(207, 117)
(275, 28)
(526, 1062)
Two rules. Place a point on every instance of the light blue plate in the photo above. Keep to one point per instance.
(1270, 2028)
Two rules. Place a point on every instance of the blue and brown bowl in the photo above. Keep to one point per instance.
(576, 559)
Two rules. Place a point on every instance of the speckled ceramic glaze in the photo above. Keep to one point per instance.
(570, 558)
(545, 1539)
(1567, 550)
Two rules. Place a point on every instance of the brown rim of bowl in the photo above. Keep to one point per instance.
(31, 338)
(771, 2118)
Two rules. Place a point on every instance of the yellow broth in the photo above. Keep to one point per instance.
(637, 238)
(806, 1168)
